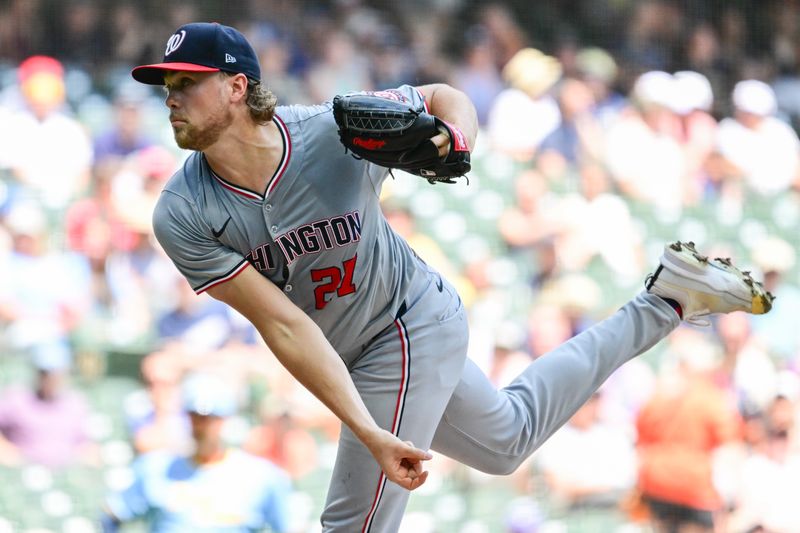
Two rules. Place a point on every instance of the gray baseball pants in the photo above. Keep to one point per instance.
(416, 381)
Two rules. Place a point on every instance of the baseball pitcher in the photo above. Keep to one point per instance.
(276, 213)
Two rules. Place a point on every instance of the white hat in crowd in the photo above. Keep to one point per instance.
(681, 92)
(654, 88)
(692, 91)
(756, 97)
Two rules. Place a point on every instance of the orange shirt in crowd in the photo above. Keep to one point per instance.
(677, 434)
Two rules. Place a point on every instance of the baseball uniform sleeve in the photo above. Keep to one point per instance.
(188, 241)
(412, 94)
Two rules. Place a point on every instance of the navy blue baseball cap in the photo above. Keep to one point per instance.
(203, 47)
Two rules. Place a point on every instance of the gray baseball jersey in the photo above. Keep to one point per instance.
(318, 233)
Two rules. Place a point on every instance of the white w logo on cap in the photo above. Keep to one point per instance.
(174, 42)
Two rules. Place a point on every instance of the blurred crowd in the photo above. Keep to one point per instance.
(608, 128)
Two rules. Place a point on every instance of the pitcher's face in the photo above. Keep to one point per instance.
(199, 109)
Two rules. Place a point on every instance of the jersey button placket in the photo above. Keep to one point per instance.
(274, 227)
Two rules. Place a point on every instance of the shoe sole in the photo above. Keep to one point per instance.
(684, 260)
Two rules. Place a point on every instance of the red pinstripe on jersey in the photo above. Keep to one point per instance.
(405, 349)
(216, 281)
(276, 176)
(287, 155)
(235, 188)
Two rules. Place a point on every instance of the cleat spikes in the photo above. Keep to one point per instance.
(702, 287)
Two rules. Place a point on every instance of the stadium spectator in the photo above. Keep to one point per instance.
(576, 295)
(746, 373)
(524, 515)
(342, 68)
(46, 424)
(642, 153)
(18, 37)
(44, 292)
(281, 438)
(5, 140)
(488, 310)
(111, 228)
(133, 274)
(776, 258)
(132, 34)
(138, 184)
(588, 467)
(525, 112)
(770, 477)
(95, 230)
(125, 135)
(783, 18)
(402, 220)
(508, 358)
(758, 148)
(565, 144)
(272, 390)
(154, 415)
(214, 488)
(389, 63)
(599, 71)
(625, 393)
(276, 55)
(596, 223)
(548, 326)
(82, 33)
(702, 55)
(651, 33)
(199, 322)
(477, 74)
(679, 429)
(531, 220)
(734, 35)
(577, 226)
(504, 30)
(94, 227)
(697, 131)
(49, 152)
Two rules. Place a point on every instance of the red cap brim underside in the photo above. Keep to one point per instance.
(154, 74)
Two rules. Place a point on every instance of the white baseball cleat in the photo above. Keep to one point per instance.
(702, 286)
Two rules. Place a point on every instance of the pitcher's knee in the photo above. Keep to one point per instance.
(499, 464)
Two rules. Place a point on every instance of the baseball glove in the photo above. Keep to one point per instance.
(387, 130)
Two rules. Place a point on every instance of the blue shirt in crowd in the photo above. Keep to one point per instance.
(239, 493)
